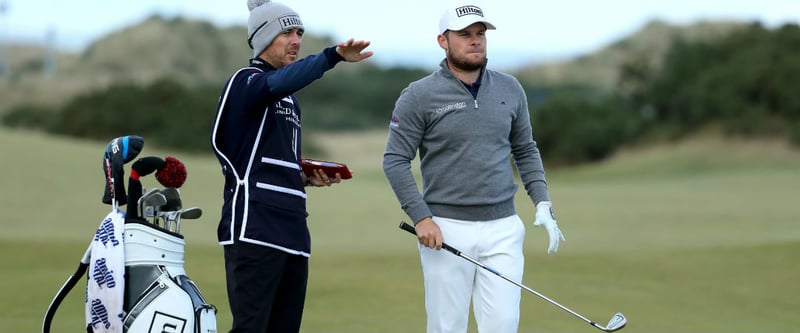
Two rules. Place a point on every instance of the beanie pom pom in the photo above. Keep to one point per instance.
(173, 174)
(252, 4)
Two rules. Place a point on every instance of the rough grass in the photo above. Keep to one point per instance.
(699, 236)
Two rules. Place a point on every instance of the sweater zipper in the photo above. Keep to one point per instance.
(474, 99)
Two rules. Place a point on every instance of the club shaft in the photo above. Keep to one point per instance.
(409, 228)
(472, 260)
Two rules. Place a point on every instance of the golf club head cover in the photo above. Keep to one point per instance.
(173, 196)
(119, 151)
(146, 165)
(173, 174)
(135, 192)
(142, 167)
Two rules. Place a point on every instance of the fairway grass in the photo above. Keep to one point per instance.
(699, 236)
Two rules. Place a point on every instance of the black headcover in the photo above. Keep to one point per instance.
(142, 167)
(147, 165)
(119, 151)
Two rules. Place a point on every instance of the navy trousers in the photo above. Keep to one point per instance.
(266, 288)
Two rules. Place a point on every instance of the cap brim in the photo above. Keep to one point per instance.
(488, 26)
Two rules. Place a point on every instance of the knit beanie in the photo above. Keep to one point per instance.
(267, 20)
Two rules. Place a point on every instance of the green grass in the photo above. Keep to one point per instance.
(700, 236)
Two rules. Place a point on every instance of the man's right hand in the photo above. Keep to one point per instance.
(429, 234)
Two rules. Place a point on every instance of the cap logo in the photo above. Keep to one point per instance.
(469, 10)
(290, 21)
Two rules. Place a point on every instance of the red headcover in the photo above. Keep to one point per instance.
(173, 174)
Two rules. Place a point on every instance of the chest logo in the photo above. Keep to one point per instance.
(451, 107)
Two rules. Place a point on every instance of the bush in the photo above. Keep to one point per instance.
(794, 135)
(28, 116)
(744, 81)
(573, 130)
(164, 112)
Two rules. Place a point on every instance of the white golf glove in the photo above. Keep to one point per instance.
(546, 218)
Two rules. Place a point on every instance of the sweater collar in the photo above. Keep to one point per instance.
(261, 64)
(446, 69)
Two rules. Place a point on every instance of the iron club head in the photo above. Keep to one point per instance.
(150, 199)
(188, 213)
(169, 218)
(617, 322)
(191, 213)
(147, 194)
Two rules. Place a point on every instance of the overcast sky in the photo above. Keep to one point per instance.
(401, 32)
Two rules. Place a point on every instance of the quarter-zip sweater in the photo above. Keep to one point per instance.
(256, 137)
(464, 145)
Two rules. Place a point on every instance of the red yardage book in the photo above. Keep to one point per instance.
(330, 168)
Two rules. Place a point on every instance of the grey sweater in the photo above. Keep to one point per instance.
(464, 146)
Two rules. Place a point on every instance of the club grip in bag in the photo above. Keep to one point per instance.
(410, 229)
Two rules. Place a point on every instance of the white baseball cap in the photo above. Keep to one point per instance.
(461, 17)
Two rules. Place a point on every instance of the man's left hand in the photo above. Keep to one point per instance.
(352, 50)
(546, 218)
(320, 178)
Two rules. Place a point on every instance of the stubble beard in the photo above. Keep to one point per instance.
(464, 63)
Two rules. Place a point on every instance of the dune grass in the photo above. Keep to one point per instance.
(699, 236)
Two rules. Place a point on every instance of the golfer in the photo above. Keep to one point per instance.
(466, 121)
(256, 137)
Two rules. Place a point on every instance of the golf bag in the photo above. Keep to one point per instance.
(155, 294)
(159, 296)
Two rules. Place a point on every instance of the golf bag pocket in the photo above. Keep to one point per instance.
(162, 307)
(205, 314)
(159, 297)
(166, 304)
(206, 319)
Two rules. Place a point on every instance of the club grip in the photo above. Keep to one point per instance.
(410, 229)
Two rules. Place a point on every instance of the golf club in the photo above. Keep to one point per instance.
(617, 322)
(153, 199)
(140, 201)
(189, 214)
(164, 219)
(119, 151)
(173, 203)
(172, 219)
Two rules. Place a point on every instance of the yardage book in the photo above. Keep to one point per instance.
(330, 168)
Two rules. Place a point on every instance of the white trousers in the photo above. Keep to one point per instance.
(452, 282)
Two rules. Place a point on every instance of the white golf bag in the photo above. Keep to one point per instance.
(159, 296)
(136, 281)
